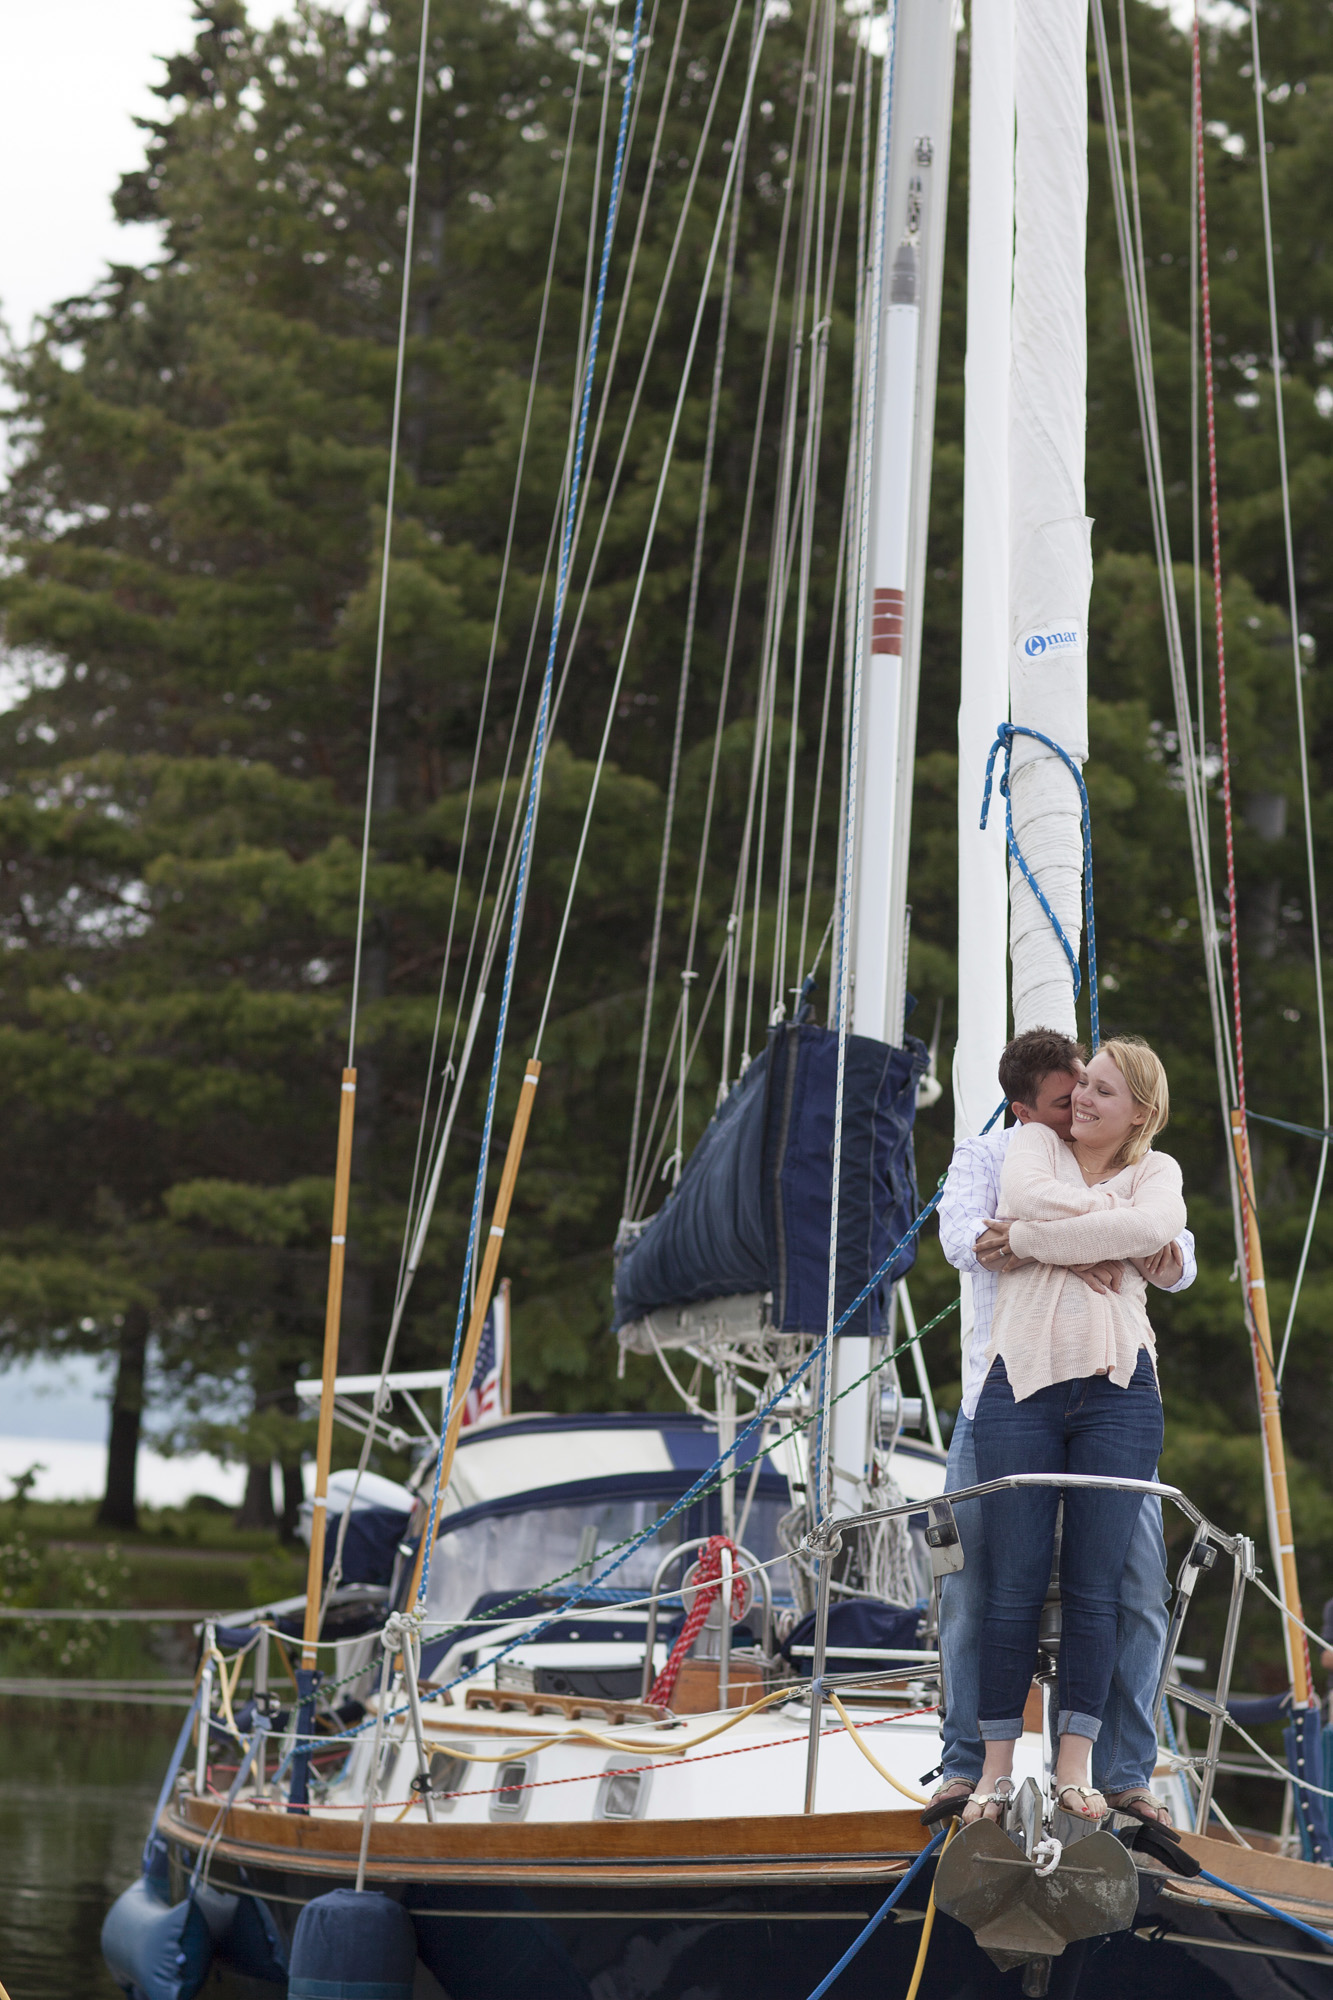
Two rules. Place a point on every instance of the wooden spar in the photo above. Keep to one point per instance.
(480, 1306)
(314, 1587)
(1270, 1416)
(506, 1377)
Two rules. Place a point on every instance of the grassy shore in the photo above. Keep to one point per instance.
(192, 1560)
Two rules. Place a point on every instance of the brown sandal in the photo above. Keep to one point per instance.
(1141, 1804)
(1086, 1793)
(947, 1802)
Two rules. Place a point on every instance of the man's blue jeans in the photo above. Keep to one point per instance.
(1125, 1752)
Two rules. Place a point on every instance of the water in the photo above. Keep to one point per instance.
(76, 1795)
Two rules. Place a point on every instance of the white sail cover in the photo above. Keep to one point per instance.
(1050, 577)
(983, 703)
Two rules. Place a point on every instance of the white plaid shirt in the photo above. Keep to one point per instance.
(971, 1198)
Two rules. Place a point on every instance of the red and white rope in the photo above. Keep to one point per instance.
(706, 1576)
(1215, 523)
(1246, 1175)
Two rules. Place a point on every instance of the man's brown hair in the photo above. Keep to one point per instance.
(1032, 1057)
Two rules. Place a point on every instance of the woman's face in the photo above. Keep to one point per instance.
(1104, 1112)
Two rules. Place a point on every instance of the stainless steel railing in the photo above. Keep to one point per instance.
(825, 1540)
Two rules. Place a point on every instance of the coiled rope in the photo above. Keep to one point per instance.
(705, 1577)
(1004, 740)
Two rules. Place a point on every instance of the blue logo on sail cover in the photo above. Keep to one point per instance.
(1043, 642)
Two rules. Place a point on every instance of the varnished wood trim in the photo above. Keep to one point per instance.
(808, 1836)
(573, 1707)
(1272, 1876)
(585, 1876)
(821, 1848)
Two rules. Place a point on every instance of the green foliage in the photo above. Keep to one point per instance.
(34, 1576)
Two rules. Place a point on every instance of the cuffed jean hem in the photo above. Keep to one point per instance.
(1005, 1731)
(1071, 1723)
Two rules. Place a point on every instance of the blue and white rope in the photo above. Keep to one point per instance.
(538, 761)
(1004, 739)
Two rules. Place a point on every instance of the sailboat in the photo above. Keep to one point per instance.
(645, 1704)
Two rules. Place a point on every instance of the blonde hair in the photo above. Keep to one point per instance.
(1146, 1081)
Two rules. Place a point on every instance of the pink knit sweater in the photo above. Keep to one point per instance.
(1049, 1326)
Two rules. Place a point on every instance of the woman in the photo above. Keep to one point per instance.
(1072, 1388)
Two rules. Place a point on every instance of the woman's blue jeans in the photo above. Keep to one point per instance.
(1086, 1425)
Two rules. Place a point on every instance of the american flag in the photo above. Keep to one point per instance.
(485, 1397)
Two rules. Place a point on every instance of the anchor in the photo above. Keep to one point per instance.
(1025, 1895)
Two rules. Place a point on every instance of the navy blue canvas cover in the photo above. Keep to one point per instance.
(373, 1535)
(753, 1208)
(857, 1622)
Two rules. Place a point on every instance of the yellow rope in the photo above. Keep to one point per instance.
(917, 1798)
(234, 1683)
(224, 1691)
(519, 1745)
(929, 1924)
(520, 1748)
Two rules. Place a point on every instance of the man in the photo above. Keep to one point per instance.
(1038, 1072)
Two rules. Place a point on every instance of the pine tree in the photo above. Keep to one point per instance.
(194, 531)
(196, 525)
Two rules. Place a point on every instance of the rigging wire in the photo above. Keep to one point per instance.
(844, 523)
(538, 759)
(787, 516)
(413, 1231)
(860, 392)
(1129, 232)
(613, 356)
(1280, 1529)
(747, 516)
(729, 654)
(654, 516)
(817, 376)
(687, 655)
(654, 1166)
(1297, 676)
(1214, 512)
(400, 360)
(412, 1225)
(645, 363)
(823, 1460)
(826, 296)
(418, 1216)
(830, 674)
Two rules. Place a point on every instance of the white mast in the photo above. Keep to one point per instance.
(983, 703)
(983, 904)
(903, 432)
(903, 401)
(1051, 556)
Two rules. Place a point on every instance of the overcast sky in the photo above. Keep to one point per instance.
(76, 74)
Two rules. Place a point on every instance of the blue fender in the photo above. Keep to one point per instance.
(251, 1944)
(350, 1946)
(154, 1949)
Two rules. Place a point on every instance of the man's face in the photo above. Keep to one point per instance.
(1054, 1106)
